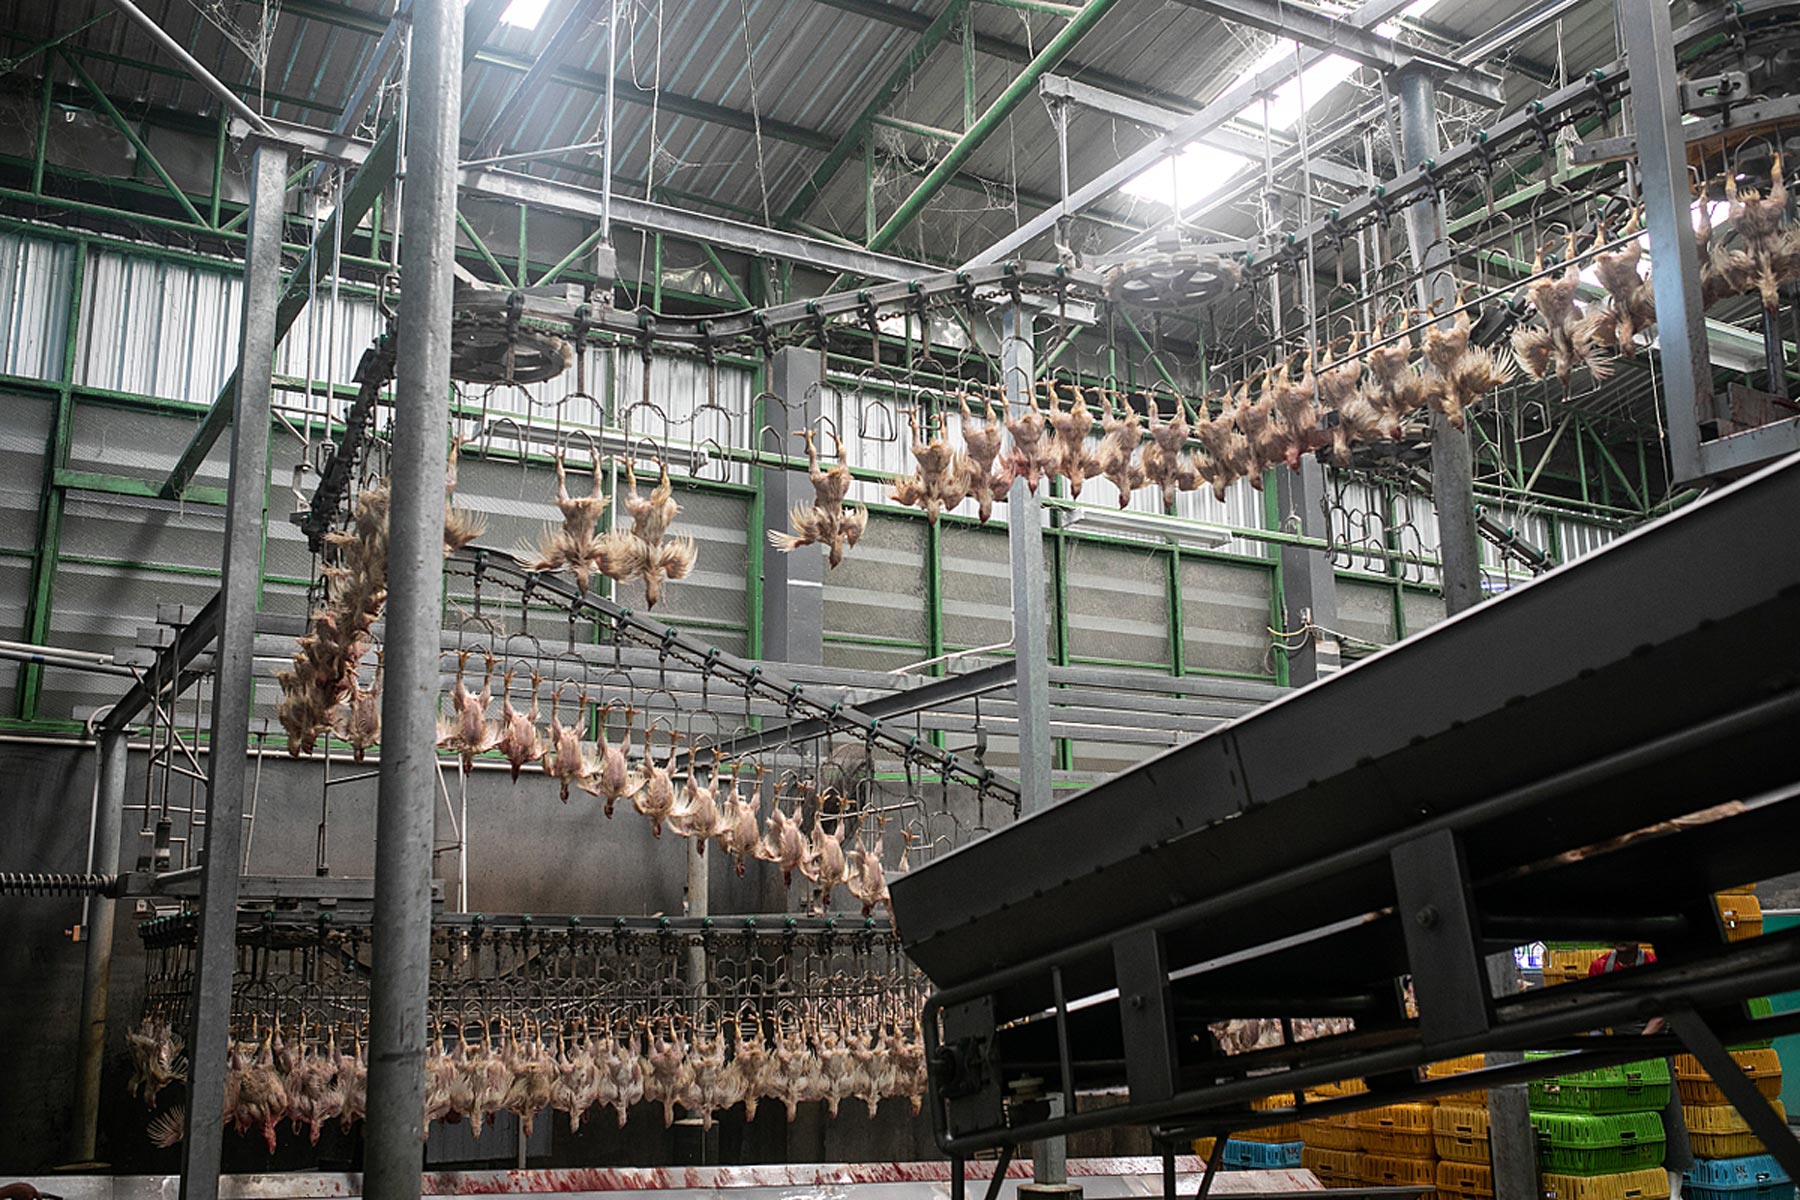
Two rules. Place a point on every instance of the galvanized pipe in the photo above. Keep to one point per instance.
(234, 660)
(96, 977)
(407, 795)
(207, 79)
(606, 166)
(1025, 541)
(1452, 461)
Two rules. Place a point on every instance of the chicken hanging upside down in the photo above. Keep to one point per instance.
(939, 479)
(574, 546)
(827, 523)
(981, 447)
(1565, 340)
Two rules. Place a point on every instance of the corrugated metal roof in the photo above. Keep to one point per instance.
(815, 66)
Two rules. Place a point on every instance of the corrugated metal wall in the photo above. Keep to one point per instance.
(34, 305)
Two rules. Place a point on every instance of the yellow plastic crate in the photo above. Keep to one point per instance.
(1569, 974)
(1460, 1133)
(1271, 1103)
(1697, 1088)
(1343, 1087)
(1334, 1168)
(1287, 1131)
(1460, 1121)
(1396, 1170)
(1204, 1147)
(1720, 1131)
(1581, 960)
(1741, 914)
(1725, 1145)
(1401, 1145)
(1646, 1183)
(1459, 1066)
(1464, 1179)
(1396, 1118)
(1720, 1118)
(1322, 1135)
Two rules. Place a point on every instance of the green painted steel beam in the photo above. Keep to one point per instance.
(50, 501)
(144, 153)
(1016, 93)
(481, 248)
(125, 485)
(890, 87)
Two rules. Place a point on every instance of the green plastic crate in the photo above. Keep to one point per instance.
(1630, 1087)
(1598, 1143)
(1758, 1007)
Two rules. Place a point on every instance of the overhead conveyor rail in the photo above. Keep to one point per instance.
(1418, 812)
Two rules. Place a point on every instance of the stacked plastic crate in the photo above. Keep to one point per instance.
(1331, 1147)
(1268, 1145)
(1600, 1133)
(1459, 1134)
(1729, 1162)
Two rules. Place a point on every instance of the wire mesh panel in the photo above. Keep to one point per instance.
(977, 586)
(34, 305)
(1118, 602)
(24, 437)
(1224, 616)
(1108, 758)
(879, 590)
(142, 445)
(1366, 611)
(1420, 610)
(716, 593)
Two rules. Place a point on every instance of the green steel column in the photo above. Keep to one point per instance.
(524, 275)
(43, 131)
(753, 577)
(1277, 610)
(1015, 94)
(125, 127)
(1065, 749)
(934, 593)
(50, 506)
(218, 171)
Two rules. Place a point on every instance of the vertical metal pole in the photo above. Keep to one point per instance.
(793, 601)
(1308, 582)
(699, 901)
(1663, 181)
(608, 158)
(109, 817)
(222, 862)
(1452, 471)
(1511, 1143)
(406, 799)
(1025, 542)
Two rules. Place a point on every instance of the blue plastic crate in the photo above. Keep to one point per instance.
(1749, 1177)
(1257, 1156)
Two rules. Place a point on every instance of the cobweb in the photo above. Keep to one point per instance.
(247, 24)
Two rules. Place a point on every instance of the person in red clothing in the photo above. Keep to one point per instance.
(1677, 1157)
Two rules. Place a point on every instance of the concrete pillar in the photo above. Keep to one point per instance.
(793, 593)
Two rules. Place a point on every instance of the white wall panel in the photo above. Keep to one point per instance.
(35, 276)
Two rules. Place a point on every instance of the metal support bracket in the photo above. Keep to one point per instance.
(1450, 984)
(1146, 1016)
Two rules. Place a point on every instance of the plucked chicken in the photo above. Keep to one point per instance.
(1120, 434)
(1069, 429)
(1564, 339)
(656, 799)
(981, 448)
(940, 474)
